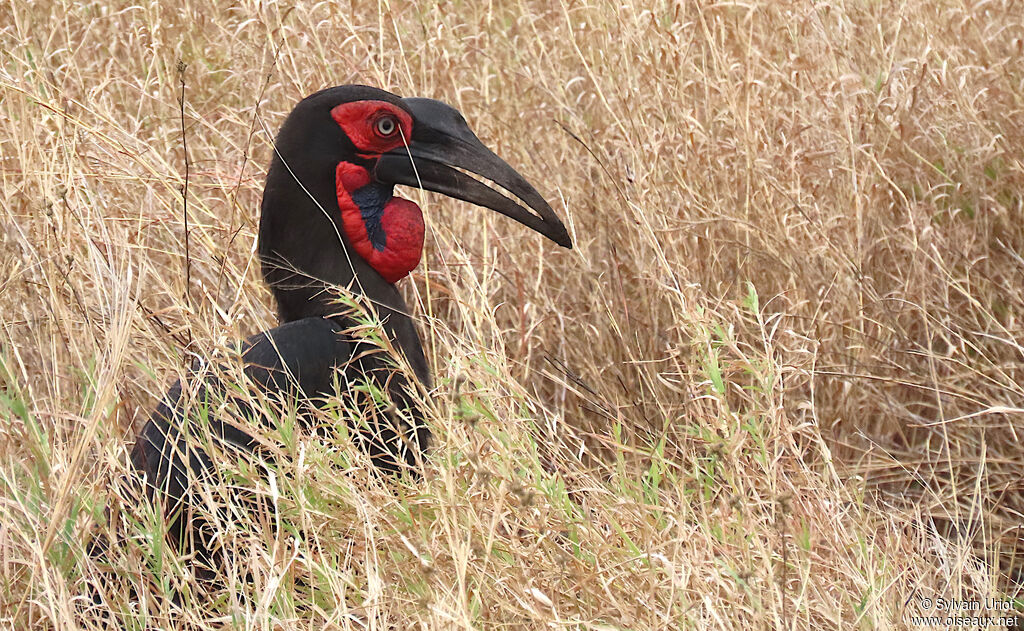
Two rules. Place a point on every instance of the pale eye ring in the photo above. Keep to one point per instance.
(386, 126)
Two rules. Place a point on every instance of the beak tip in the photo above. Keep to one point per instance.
(556, 231)
(553, 228)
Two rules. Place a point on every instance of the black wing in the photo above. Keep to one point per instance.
(301, 359)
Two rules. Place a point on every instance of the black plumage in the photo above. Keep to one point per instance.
(306, 248)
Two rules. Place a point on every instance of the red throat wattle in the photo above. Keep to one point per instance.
(386, 231)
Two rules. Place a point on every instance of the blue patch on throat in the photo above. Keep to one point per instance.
(371, 200)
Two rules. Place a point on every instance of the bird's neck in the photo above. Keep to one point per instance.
(306, 254)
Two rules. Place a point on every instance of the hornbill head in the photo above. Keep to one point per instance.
(329, 210)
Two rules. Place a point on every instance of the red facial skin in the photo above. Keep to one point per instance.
(401, 220)
(358, 120)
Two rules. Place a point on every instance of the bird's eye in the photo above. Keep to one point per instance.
(386, 125)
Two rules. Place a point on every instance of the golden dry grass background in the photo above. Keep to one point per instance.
(775, 385)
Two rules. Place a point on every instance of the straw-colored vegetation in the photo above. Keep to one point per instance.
(776, 385)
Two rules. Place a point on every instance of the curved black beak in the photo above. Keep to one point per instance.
(441, 144)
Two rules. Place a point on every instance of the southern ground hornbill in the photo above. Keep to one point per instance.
(329, 218)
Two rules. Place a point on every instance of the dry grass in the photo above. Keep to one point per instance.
(777, 383)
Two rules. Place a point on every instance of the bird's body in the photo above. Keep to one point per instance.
(329, 219)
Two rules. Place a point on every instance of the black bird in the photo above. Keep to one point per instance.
(329, 218)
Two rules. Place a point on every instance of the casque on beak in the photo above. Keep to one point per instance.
(441, 144)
